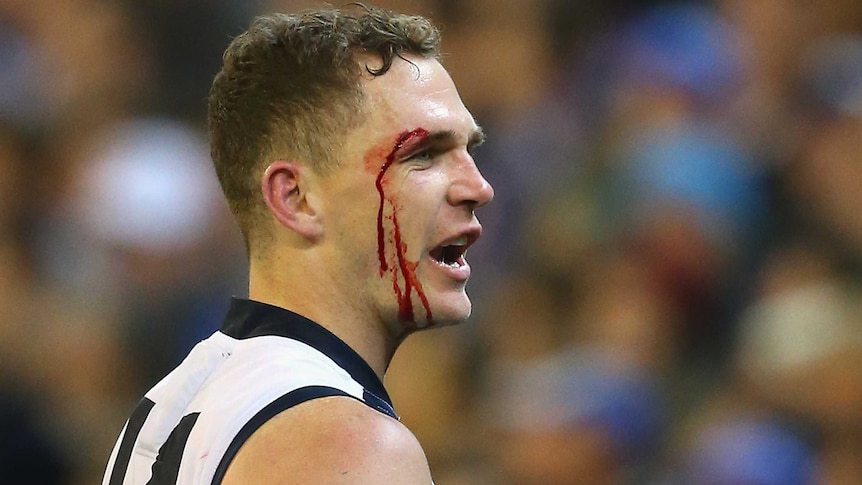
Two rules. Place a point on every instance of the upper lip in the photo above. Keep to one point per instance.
(467, 236)
(461, 240)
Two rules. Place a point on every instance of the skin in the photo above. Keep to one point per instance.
(325, 265)
(332, 441)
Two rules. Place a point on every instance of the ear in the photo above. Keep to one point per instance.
(285, 188)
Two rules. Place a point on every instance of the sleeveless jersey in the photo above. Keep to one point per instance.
(265, 359)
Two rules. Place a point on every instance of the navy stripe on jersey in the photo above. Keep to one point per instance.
(166, 468)
(292, 398)
(133, 429)
(248, 318)
(379, 404)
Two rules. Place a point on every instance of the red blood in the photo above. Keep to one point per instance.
(408, 271)
(407, 268)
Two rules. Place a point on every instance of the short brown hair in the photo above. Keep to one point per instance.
(290, 85)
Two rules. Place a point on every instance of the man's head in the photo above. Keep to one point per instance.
(291, 87)
(348, 164)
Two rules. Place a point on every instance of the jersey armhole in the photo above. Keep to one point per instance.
(283, 403)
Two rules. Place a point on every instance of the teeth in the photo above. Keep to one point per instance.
(461, 241)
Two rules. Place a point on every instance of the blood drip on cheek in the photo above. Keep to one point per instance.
(400, 263)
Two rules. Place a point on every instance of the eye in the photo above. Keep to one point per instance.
(420, 156)
(425, 156)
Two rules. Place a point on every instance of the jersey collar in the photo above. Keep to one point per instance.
(249, 318)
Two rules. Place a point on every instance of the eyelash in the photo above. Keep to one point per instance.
(423, 155)
(430, 153)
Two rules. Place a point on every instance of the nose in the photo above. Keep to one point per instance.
(468, 186)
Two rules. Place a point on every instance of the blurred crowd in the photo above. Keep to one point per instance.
(668, 292)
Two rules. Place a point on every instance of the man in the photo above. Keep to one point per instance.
(344, 151)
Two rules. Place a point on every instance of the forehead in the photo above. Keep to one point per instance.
(414, 93)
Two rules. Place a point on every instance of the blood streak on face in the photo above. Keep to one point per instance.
(407, 268)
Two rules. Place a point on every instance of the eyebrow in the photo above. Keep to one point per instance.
(476, 138)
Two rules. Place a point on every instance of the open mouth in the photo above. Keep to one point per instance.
(451, 253)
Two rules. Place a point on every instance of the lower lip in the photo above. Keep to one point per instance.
(456, 272)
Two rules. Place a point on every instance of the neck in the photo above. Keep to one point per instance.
(321, 303)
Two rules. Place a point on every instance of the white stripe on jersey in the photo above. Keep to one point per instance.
(228, 381)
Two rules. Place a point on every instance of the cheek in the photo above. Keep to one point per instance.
(422, 195)
(404, 223)
(349, 221)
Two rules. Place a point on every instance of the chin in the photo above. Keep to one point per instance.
(446, 310)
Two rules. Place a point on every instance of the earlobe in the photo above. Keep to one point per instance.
(285, 187)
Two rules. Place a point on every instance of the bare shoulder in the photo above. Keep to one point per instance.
(333, 440)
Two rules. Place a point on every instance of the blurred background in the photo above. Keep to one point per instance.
(667, 293)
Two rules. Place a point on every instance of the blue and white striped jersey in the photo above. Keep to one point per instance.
(265, 359)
